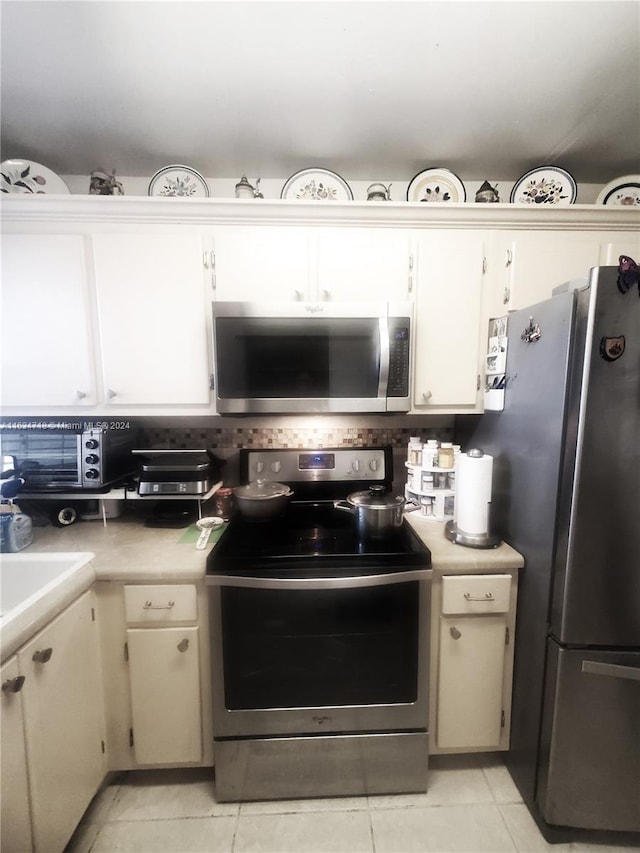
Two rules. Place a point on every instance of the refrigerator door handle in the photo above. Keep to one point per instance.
(632, 673)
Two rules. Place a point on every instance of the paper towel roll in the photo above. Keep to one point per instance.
(473, 493)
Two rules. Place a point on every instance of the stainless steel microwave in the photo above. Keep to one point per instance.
(302, 357)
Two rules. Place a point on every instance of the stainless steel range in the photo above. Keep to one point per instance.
(320, 639)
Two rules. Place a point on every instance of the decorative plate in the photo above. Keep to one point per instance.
(621, 192)
(436, 185)
(25, 176)
(178, 181)
(317, 185)
(545, 185)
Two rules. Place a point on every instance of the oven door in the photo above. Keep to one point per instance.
(322, 655)
(48, 460)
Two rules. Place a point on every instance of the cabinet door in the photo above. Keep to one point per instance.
(363, 264)
(528, 265)
(471, 661)
(46, 337)
(447, 319)
(614, 244)
(165, 694)
(64, 722)
(153, 318)
(261, 263)
(15, 820)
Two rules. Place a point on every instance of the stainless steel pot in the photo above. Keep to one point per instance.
(376, 512)
(262, 500)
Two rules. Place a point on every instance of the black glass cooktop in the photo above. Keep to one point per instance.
(312, 539)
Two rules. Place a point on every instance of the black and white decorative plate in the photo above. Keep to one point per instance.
(25, 176)
(621, 192)
(436, 185)
(178, 181)
(545, 185)
(316, 185)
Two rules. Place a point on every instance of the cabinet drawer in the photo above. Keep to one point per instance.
(161, 603)
(476, 593)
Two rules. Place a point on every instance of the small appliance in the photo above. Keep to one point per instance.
(303, 357)
(172, 473)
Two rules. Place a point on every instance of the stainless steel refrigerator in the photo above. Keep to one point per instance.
(566, 494)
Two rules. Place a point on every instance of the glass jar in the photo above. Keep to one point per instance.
(224, 503)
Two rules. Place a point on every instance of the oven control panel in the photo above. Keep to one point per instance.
(290, 466)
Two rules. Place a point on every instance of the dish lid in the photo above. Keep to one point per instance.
(375, 497)
(262, 490)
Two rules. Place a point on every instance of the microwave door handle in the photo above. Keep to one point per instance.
(384, 357)
(319, 583)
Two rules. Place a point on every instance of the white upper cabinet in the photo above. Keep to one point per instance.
(525, 266)
(152, 319)
(363, 265)
(447, 320)
(259, 263)
(294, 263)
(46, 329)
(614, 244)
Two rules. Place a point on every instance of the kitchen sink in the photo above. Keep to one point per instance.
(27, 578)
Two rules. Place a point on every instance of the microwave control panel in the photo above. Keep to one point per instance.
(399, 355)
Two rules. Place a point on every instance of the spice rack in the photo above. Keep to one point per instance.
(431, 486)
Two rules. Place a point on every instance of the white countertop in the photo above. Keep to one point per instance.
(126, 550)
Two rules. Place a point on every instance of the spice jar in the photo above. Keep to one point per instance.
(224, 504)
(414, 451)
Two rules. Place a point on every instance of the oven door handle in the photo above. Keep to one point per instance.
(320, 583)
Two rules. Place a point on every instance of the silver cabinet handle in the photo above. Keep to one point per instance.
(42, 656)
(488, 596)
(149, 606)
(454, 632)
(13, 685)
(506, 296)
(80, 395)
(427, 395)
(111, 393)
(509, 260)
(595, 667)
(183, 645)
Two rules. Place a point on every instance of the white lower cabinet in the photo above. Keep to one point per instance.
(163, 659)
(62, 729)
(15, 818)
(165, 694)
(473, 659)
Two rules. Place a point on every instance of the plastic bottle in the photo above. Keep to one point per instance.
(429, 453)
(445, 455)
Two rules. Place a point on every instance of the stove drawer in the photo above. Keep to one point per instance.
(475, 594)
(160, 603)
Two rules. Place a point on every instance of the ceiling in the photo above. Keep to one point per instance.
(371, 90)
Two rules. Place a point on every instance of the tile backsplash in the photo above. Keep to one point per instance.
(229, 439)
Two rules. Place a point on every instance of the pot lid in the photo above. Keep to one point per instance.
(262, 490)
(375, 497)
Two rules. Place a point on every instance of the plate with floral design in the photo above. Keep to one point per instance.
(545, 185)
(25, 176)
(621, 192)
(178, 182)
(316, 185)
(436, 185)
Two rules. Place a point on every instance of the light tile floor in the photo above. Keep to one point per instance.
(472, 805)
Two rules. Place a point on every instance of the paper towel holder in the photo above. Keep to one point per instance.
(470, 540)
